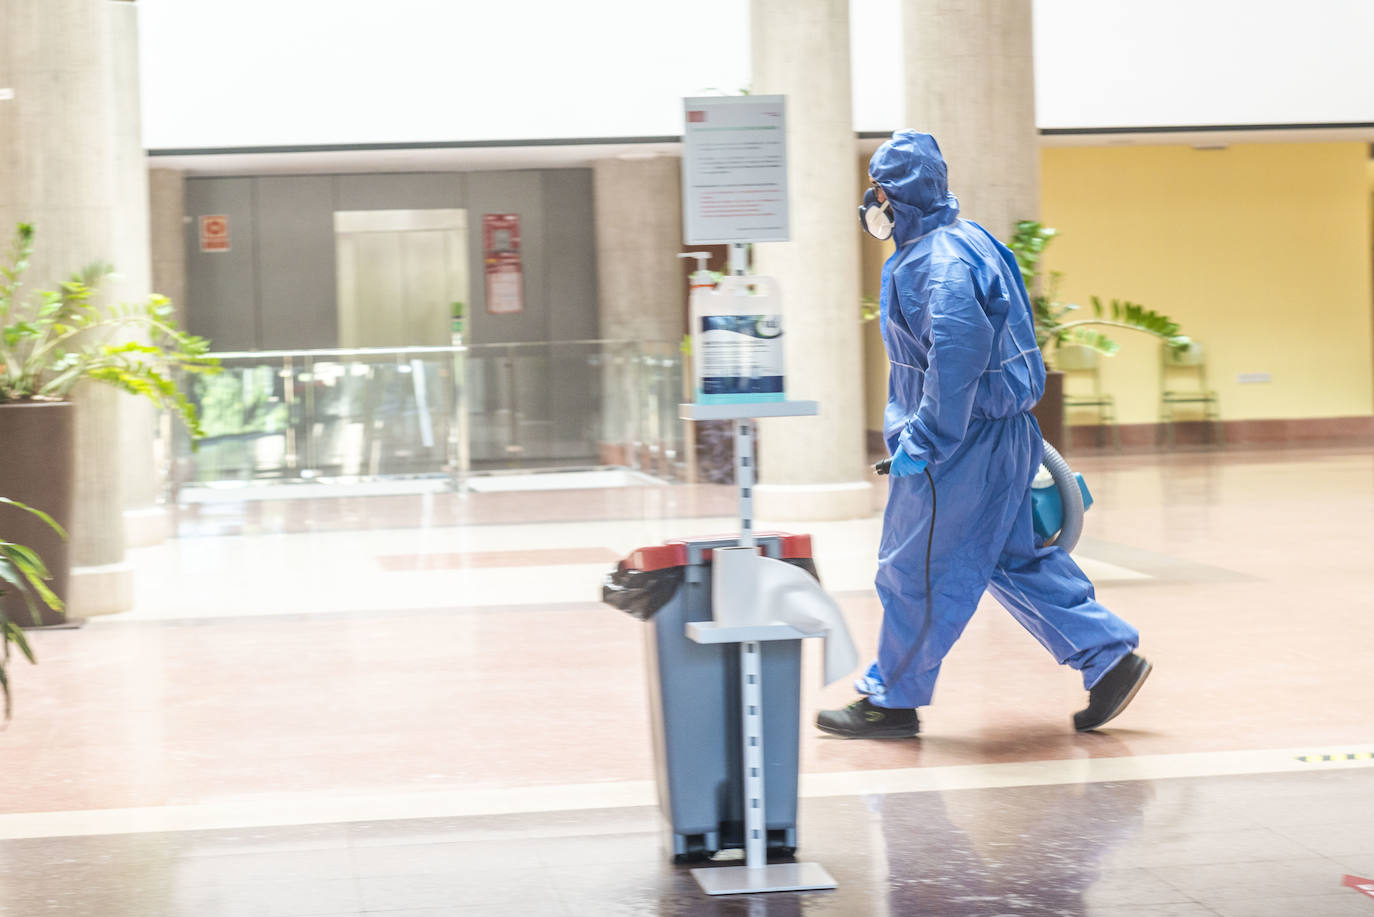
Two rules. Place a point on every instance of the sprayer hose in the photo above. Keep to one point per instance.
(1070, 497)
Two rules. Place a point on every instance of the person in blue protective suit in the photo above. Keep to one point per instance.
(965, 372)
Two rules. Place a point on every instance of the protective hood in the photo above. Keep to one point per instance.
(912, 173)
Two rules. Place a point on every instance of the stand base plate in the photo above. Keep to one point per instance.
(775, 877)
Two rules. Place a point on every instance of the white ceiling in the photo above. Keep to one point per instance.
(268, 73)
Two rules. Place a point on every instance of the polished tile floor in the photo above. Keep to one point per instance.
(414, 705)
(1240, 846)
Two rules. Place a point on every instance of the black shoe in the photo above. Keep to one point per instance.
(1111, 695)
(865, 720)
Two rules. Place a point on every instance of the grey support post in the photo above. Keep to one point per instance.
(751, 717)
(744, 475)
(756, 875)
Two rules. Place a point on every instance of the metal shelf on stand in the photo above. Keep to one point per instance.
(748, 411)
(745, 415)
(711, 632)
(757, 875)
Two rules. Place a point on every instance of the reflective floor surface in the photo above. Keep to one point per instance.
(416, 705)
(1245, 846)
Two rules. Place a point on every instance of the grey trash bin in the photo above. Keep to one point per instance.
(694, 699)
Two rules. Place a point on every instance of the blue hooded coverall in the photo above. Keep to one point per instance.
(965, 372)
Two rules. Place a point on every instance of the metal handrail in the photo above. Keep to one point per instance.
(334, 352)
(634, 423)
(406, 351)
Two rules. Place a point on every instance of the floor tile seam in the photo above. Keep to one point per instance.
(1156, 873)
(1330, 861)
(1284, 831)
(512, 607)
(1257, 861)
(1076, 770)
(458, 526)
(295, 809)
(1339, 894)
(136, 617)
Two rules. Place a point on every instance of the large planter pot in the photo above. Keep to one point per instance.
(1050, 412)
(37, 469)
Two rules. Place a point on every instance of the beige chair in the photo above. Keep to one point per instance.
(1078, 362)
(1184, 364)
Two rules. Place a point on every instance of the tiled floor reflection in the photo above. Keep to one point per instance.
(355, 662)
(1231, 846)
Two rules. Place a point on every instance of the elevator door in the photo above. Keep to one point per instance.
(399, 274)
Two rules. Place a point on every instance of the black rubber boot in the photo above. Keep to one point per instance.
(865, 720)
(1111, 695)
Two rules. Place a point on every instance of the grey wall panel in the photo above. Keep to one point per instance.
(570, 243)
(295, 248)
(276, 286)
(570, 286)
(400, 191)
(221, 287)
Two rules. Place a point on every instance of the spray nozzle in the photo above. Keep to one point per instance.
(702, 259)
(701, 276)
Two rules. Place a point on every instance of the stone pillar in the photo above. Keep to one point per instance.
(638, 237)
(64, 148)
(643, 297)
(167, 236)
(813, 467)
(146, 520)
(167, 242)
(970, 81)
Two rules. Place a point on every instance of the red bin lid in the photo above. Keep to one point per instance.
(674, 553)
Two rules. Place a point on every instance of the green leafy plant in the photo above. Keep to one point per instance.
(1055, 323)
(22, 573)
(59, 337)
(239, 403)
(869, 308)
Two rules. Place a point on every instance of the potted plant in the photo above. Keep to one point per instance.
(22, 573)
(1057, 324)
(49, 343)
(457, 312)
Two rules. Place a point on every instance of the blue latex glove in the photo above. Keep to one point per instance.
(904, 466)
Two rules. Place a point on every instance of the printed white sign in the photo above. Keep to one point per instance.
(734, 169)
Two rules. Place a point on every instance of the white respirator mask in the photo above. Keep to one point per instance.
(875, 216)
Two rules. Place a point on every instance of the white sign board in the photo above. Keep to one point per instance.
(734, 170)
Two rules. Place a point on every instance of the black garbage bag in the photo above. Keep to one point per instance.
(806, 563)
(641, 593)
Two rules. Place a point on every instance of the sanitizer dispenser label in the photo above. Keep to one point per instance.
(741, 355)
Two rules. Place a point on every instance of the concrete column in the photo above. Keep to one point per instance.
(813, 468)
(60, 139)
(167, 243)
(643, 297)
(970, 81)
(638, 236)
(146, 520)
(167, 235)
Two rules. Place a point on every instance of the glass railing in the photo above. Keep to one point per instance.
(439, 412)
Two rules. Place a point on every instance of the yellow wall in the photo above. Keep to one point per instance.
(1262, 252)
(872, 254)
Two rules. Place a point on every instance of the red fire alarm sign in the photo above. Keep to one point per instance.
(214, 233)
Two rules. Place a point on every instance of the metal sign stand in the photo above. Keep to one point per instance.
(759, 122)
(757, 875)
